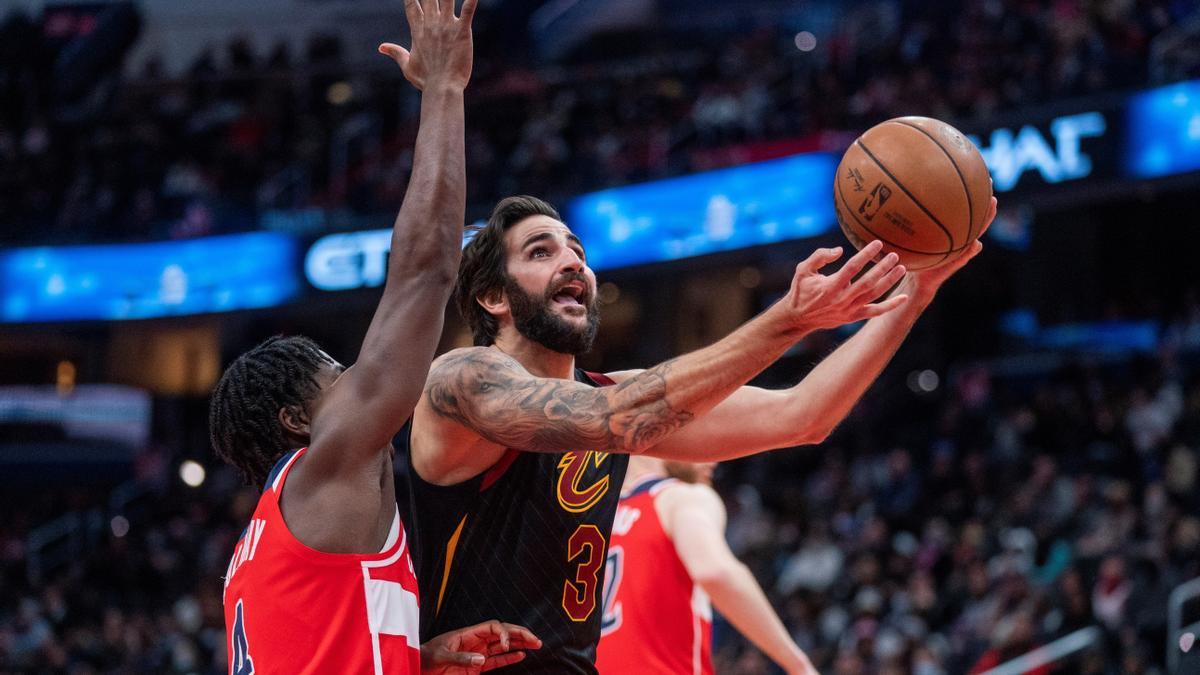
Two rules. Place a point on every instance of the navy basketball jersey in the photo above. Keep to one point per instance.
(525, 542)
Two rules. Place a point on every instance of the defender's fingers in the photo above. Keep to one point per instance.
(494, 662)
(414, 12)
(514, 645)
(523, 634)
(490, 632)
(467, 659)
(397, 53)
(494, 633)
(468, 10)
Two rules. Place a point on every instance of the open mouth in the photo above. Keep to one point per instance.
(570, 295)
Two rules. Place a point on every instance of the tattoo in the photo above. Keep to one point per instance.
(490, 393)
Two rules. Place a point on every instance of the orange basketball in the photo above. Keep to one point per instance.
(917, 185)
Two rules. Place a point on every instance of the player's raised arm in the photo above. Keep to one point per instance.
(372, 399)
(694, 518)
(752, 420)
(486, 393)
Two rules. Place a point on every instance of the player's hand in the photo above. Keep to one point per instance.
(925, 283)
(817, 301)
(482, 647)
(442, 53)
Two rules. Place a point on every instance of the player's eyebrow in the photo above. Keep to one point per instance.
(540, 236)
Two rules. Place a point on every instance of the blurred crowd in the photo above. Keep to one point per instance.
(136, 590)
(243, 134)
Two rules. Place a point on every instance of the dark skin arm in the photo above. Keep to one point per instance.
(340, 495)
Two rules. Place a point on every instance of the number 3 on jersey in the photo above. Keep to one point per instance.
(579, 597)
(610, 620)
(239, 662)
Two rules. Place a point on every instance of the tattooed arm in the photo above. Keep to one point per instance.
(479, 401)
(487, 391)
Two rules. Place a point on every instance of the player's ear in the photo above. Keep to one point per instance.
(294, 420)
(494, 301)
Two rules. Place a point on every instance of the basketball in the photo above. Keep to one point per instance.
(916, 184)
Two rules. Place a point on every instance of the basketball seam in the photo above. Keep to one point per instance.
(850, 210)
(961, 178)
(945, 231)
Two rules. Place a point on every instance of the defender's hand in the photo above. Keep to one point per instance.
(478, 648)
(442, 53)
(817, 301)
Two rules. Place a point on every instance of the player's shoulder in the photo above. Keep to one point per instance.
(679, 494)
(464, 355)
(693, 503)
(473, 361)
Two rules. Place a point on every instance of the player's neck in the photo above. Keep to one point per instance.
(536, 358)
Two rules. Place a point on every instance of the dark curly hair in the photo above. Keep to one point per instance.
(483, 266)
(243, 420)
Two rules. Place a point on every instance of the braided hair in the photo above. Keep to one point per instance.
(243, 419)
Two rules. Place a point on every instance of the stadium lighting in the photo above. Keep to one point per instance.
(192, 473)
(120, 526)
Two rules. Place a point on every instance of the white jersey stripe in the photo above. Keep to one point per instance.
(391, 608)
(701, 611)
(283, 471)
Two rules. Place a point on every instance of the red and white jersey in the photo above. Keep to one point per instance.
(291, 609)
(656, 619)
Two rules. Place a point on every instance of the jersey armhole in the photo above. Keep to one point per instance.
(276, 484)
(600, 378)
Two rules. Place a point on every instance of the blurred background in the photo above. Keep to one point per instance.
(179, 181)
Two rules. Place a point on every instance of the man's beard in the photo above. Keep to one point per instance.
(534, 318)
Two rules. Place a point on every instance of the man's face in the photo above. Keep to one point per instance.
(551, 291)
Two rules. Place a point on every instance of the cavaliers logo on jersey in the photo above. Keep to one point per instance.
(575, 493)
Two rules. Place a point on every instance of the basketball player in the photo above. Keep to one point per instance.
(516, 456)
(666, 558)
(322, 581)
